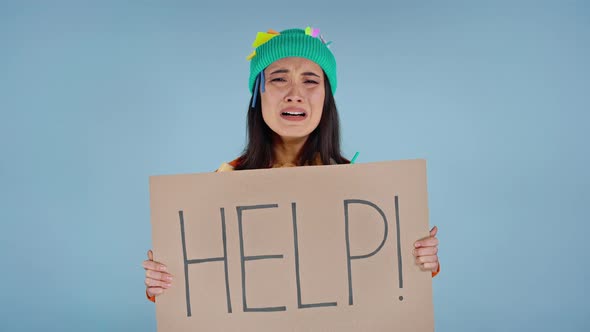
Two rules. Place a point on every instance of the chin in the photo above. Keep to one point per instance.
(289, 134)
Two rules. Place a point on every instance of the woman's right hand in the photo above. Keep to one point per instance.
(157, 280)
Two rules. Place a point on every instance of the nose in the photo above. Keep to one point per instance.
(293, 96)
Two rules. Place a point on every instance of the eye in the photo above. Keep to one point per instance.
(278, 79)
(311, 81)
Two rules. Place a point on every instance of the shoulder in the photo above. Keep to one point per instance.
(227, 167)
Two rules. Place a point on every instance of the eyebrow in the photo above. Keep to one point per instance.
(284, 71)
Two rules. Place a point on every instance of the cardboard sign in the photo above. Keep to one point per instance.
(314, 248)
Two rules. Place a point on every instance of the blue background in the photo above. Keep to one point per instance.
(95, 97)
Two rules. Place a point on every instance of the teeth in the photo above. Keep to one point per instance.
(294, 113)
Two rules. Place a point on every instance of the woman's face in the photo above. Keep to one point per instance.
(294, 97)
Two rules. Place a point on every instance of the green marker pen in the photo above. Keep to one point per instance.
(354, 158)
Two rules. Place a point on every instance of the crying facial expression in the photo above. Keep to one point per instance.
(294, 95)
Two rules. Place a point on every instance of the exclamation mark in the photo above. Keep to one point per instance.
(399, 248)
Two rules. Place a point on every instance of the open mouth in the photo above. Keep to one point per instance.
(293, 115)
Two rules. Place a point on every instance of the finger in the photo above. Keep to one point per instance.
(154, 291)
(162, 276)
(431, 234)
(150, 255)
(151, 265)
(428, 242)
(425, 251)
(433, 231)
(429, 266)
(149, 282)
(426, 259)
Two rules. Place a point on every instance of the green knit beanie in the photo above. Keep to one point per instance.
(272, 46)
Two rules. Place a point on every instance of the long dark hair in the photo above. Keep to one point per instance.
(324, 140)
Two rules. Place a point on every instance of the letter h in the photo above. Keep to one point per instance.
(204, 260)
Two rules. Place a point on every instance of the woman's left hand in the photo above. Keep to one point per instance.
(426, 251)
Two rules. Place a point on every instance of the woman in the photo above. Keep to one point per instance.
(292, 121)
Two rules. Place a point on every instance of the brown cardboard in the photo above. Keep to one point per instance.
(268, 200)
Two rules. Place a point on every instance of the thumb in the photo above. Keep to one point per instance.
(433, 231)
(150, 255)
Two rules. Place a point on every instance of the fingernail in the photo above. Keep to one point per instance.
(169, 278)
(168, 285)
(417, 244)
(162, 268)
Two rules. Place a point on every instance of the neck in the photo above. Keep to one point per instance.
(286, 150)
